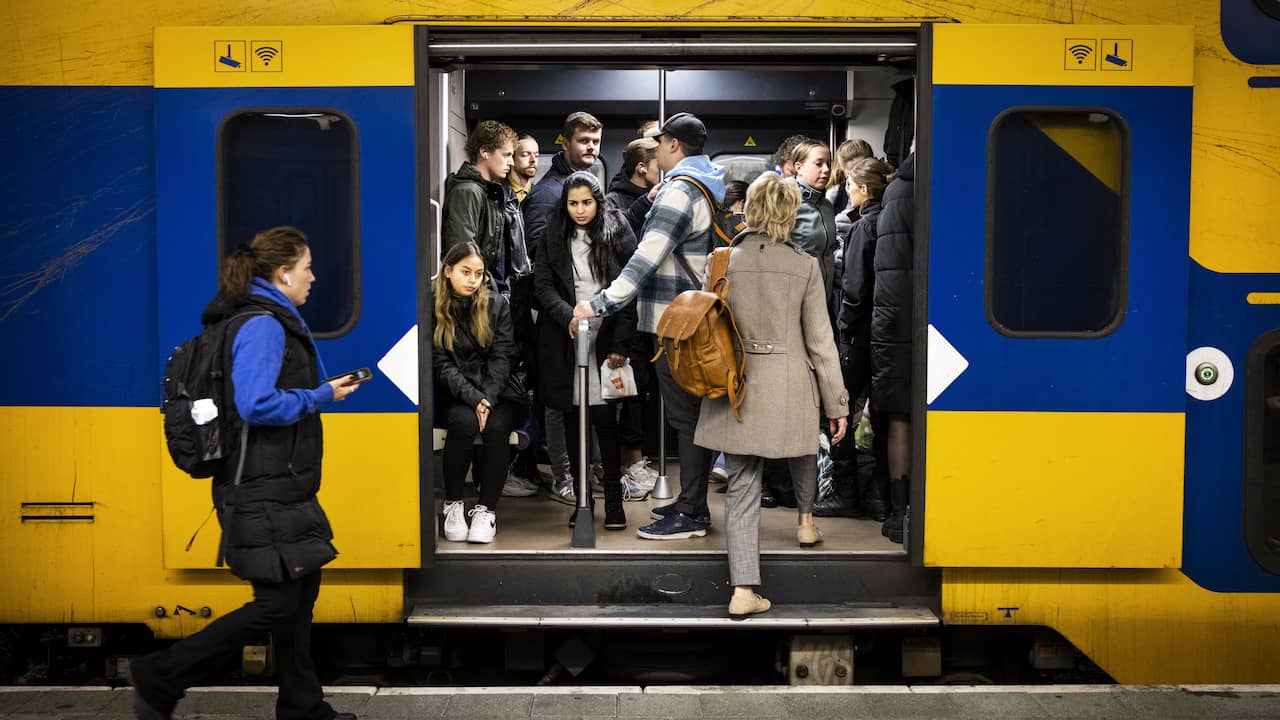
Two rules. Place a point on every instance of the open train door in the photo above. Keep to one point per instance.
(1051, 281)
(312, 127)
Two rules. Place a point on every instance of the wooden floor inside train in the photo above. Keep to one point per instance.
(539, 524)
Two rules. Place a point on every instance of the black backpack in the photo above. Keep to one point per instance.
(195, 371)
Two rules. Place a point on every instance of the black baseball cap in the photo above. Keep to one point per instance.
(684, 127)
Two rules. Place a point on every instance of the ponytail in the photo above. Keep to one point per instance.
(270, 249)
(875, 174)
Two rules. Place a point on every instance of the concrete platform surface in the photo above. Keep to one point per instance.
(926, 702)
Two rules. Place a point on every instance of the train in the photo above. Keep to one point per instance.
(1095, 340)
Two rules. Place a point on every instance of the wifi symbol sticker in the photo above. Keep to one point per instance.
(266, 56)
(1080, 54)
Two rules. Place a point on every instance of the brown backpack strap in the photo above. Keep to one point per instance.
(715, 226)
(717, 282)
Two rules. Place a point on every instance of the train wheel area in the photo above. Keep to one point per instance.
(964, 701)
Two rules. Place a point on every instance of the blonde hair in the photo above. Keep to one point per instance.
(446, 324)
(801, 151)
(772, 202)
(846, 154)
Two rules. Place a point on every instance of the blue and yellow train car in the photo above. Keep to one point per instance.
(1097, 282)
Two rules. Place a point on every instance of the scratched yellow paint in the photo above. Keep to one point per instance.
(1141, 626)
(111, 569)
(1034, 500)
(369, 492)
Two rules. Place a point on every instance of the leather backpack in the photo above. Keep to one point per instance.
(701, 340)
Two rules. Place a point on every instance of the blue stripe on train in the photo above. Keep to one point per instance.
(77, 247)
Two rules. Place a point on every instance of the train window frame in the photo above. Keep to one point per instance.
(1121, 278)
(1252, 503)
(357, 280)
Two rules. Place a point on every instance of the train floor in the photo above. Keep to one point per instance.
(937, 702)
(539, 524)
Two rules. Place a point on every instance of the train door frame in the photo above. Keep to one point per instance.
(761, 48)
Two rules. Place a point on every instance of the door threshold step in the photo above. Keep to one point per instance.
(670, 615)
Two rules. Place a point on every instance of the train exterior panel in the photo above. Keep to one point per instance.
(1144, 567)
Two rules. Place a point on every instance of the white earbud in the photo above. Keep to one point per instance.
(287, 281)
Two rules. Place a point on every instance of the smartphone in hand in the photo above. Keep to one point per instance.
(358, 375)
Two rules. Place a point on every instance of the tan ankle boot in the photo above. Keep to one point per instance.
(740, 607)
(808, 535)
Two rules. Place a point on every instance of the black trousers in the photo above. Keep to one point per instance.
(285, 610)
(489, 460)
(603, 419)
(695, 462)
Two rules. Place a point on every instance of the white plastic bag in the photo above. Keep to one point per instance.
(616, 383)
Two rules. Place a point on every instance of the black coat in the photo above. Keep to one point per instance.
(553, 286)
(857, 287)
(892, 298)
(273, 526)
(471, 372)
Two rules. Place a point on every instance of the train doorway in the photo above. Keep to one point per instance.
(751, 91)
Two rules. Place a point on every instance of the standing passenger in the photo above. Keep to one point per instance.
(472, 354)
(524, 166)
(475, 199)
(857, 494)
(815, 230)
(582, 133)
(638, 175)
(670, 259)
(775, 290)
(280, 537)
(783, 158)
(891, 336)
(585, 247)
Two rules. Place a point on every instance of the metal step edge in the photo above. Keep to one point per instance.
(790, 616)
(454, 556)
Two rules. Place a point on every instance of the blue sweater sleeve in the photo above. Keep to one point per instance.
(256, 357)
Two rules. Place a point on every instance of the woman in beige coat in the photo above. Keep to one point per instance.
(778, 301)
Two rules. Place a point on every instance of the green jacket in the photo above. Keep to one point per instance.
(815, 231)
(473, 212)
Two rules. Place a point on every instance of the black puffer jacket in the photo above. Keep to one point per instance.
(858, 286)
(892, 299)
(273, 527)
(471, 372)
(553, 283)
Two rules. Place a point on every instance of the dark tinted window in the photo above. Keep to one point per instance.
(297, 167)
(1057, 222)
(1262, 452)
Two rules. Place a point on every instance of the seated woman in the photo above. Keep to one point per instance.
(472, 354)
(776, 292)
(585, 247)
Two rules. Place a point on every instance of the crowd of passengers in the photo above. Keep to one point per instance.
(820, 274)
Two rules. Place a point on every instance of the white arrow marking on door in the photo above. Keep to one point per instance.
(400, 364)
(945, 364)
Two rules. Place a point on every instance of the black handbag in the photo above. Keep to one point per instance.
(517, 389)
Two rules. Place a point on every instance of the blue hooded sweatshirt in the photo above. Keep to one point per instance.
(257, 354)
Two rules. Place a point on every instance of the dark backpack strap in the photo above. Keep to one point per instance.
(231, 506)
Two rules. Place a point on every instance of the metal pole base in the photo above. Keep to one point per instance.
(662, 488)
(584, 530)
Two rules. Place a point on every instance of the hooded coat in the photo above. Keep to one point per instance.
(475, 211)
(892, 299)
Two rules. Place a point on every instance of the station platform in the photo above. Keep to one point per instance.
(924, 702)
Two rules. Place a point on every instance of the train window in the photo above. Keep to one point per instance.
(743, 167)
(297, 167)
(1057, 222)
(1262, 452)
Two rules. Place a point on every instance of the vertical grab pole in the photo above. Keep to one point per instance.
(584, 531)
(662, 488)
